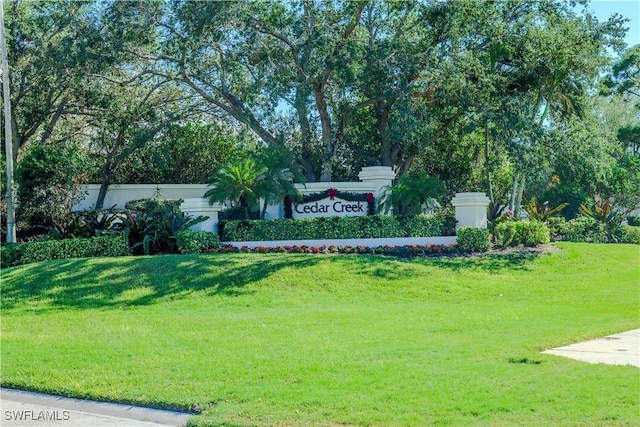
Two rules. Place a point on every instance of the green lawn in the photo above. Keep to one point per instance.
(281, 339)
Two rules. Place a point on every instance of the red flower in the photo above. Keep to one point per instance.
(287, 201)
(369, 198)
(332, 192)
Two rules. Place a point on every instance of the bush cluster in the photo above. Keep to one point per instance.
(633, 220)
(411, 250)
(523, 232)
(586, 229)
(353, 227)
(194, 242)
(629, 234)
(102, 246)
(152, 226)
(472, 239)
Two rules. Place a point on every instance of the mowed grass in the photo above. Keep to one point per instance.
(331, 340)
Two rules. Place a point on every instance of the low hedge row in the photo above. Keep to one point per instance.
(102, 246)
(195, 242)
(523, 232)
(473, 239)
(411, 250)
(354, 227)
(585, 229)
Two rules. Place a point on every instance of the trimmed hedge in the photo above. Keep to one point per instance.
(628, 234)
(350, 227)
(473, 239)
(585, 229)
(102, 246)
(195, 242)
(521, 232)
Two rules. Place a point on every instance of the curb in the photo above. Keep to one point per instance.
(117, 410)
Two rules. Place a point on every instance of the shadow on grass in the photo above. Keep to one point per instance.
(494, 263)
(393, 267)
(134, 281)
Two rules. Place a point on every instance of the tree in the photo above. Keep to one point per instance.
(277, 180)
(53, 47)
(50, 178)
(238, 182)
(186, 153)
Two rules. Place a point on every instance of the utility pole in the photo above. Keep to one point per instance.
(8, 140)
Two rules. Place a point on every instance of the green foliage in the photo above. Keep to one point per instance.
(350, 227)
(628, 234)
(558, 228)
(10, 254)
(91, 223)
(182, 154)
(411, 193)
(49, 180)
(193, 242)
(586, 229)
(474, 239)
(633, 220)
(153, 225)
(243, 182)
(153, 206)
(523, 232)
(113, 245)
(237, 182)
(603, 213)
(541, 211)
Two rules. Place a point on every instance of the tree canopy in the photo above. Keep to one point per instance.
(482, 95)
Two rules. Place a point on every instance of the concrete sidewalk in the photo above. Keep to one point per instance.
(28, 409)
(617, 349)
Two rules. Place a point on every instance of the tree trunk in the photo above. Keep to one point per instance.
(514, 190)
(106, 181)
(305, 128)
(327, 137)
(523, 179)
(487, 163)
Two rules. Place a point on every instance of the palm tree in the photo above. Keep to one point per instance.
(241, 182)
(410, 193)
(277, 181)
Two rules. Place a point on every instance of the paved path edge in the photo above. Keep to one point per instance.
(120, 410)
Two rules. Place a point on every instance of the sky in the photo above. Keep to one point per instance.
(629, 9)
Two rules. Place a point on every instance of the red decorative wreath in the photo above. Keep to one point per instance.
(332, 192)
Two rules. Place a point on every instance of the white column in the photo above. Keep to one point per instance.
(197, 207)
(379, 175)
(471, 209)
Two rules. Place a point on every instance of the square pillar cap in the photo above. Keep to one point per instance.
(470, 199)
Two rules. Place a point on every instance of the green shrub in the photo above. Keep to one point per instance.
(586, 229)
(473, 239)
(633, 220)
(351, 227)
(10, 255)
(153, 206)
(521, 232)
(102, 246)
(194, 242)
(153, 225)
(628, 234)
(558, 228)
